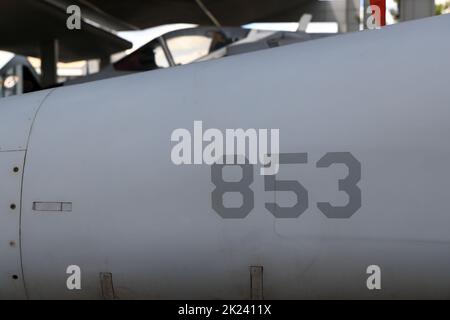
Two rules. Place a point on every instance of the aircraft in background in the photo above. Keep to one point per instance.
(17, 76)
(190, 45)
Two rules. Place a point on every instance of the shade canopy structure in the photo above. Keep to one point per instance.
(149, 13)
(26, 24)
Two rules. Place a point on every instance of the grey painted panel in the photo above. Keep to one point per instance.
(151, 224)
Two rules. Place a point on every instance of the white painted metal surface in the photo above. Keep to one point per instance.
(11, 278)
(16, 116)
(105, 147)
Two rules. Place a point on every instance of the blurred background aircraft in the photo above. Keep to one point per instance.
(118, 37)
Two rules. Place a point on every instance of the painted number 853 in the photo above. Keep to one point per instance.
(349, 185)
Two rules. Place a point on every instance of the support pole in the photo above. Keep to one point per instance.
(416, 9)
(105, 61)
(49, 60)
(382, 5)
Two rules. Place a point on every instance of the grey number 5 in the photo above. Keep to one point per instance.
(271, 184)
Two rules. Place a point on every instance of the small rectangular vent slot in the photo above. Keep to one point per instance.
(52, 206)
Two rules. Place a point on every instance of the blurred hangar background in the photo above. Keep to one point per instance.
(115, 37)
